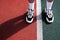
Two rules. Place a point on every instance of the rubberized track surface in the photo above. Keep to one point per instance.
(14, 27)
(12, 21)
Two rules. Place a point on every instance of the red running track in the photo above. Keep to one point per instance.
(12, 21)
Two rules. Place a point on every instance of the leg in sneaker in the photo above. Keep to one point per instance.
(49, 12)
(29, 16)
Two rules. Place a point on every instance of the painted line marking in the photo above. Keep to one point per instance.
(39, 20)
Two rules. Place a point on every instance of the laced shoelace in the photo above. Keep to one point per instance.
(49, 13)
(30, 13)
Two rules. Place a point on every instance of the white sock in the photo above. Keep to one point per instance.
(31, 6)
(49, 4)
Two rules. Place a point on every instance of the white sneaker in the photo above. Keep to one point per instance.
(49, 15)
(29, 16)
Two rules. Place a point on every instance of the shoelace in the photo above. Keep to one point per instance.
(30, 13)
(49, 13)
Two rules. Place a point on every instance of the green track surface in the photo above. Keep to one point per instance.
(52, 31)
